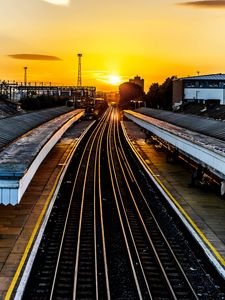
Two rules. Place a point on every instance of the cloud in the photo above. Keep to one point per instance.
(34, 57)
(58, 2)
(204, 4)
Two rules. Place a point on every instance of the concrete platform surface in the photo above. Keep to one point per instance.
(17, 223)
(204, 210)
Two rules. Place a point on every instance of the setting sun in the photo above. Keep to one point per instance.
(114, 79)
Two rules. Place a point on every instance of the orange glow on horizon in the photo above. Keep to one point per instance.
(153, 40)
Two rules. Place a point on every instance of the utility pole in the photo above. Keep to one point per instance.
(79, 82)
(25, 76)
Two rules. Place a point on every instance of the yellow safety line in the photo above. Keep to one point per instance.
(197, 229)
(193, 224)
(36, 228)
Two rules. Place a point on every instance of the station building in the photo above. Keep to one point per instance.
(199, 89)
(139, 81)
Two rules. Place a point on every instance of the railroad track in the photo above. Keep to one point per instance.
(156, 270)
(75, 265)
(103, 240)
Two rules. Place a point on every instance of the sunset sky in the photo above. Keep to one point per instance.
(153, 39)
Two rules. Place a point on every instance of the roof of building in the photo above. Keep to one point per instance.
(218, 76)
(13, 127)
(213, 128)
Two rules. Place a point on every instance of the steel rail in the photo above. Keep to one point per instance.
(132, 177)
(81, 214)
(127, 219)
(124, 156)
(98, 184)
(101, 217)
(97, 171)
(69, 207)
(115, 187)
(95, 225)
(144, 227)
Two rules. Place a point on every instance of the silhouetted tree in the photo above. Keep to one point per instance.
(160, 96)
(166, 93)
(129, 91)
(152, 96)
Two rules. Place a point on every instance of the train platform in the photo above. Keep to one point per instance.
(209, 151)
(202, 211)
(20, 160)
(14, 126)
(20, 224)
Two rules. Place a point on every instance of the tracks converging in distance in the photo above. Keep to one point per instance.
(103, 240)
(156, 270)
(75, 264)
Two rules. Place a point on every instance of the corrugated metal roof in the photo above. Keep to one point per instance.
(219, 76)
(20, 160)
(205, 126)
(13, 127)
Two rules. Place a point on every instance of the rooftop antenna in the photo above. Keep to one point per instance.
(79, 82)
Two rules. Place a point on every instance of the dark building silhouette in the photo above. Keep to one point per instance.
(139, 81)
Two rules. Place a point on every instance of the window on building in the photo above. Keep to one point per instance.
(190, 84)
(213, 84)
